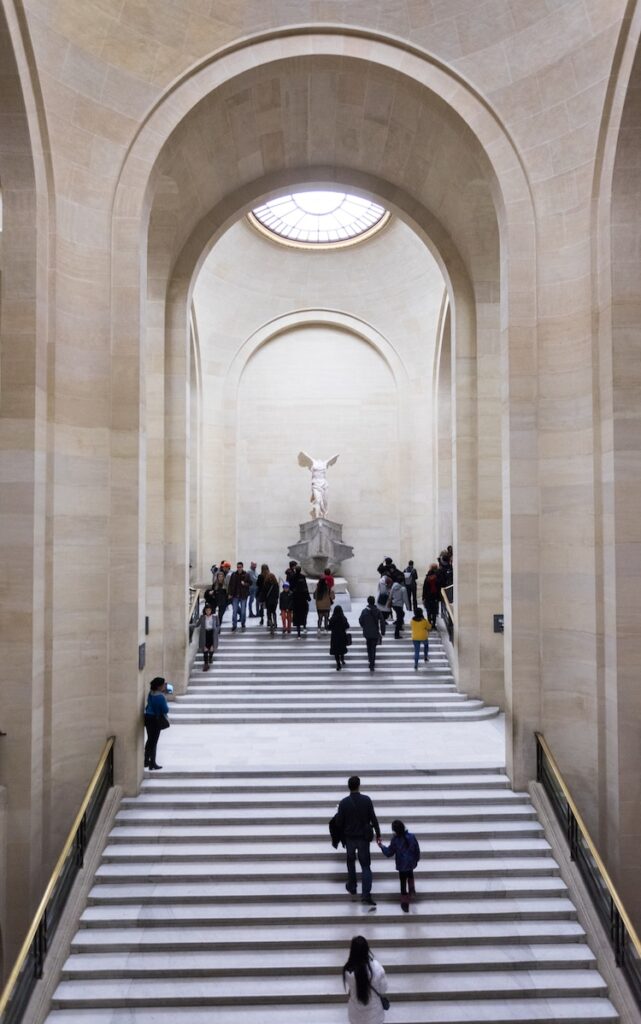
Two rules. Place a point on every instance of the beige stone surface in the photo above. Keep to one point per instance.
(352, 379)
(133, 136)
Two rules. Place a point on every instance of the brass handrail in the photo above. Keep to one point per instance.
(614, 896)
(446, 601)
(193, 603)
(55, 875)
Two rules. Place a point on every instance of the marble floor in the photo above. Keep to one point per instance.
(211, 747)
(431, 744)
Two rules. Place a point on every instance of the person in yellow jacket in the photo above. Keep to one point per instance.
(420, 635)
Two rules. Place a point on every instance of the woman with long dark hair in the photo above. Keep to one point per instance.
(260, 582)
(365, 983)
(218, 595)
(270, 594)
(338, 626)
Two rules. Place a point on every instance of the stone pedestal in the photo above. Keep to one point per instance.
(320, 545)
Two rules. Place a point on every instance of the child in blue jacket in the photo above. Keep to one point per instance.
(404, 847)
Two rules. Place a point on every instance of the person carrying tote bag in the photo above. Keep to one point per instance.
(365, 983)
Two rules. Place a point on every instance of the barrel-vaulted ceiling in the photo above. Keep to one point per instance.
(327, 118)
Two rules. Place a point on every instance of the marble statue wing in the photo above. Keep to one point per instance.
(330, 462)
(305, 460)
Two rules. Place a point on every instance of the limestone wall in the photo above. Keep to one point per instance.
(324, 386)
(133, 135)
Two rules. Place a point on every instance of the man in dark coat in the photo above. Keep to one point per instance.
(238, 591)
(373, 625)
(357, 825)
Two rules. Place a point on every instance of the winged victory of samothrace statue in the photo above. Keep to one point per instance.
(318, 469)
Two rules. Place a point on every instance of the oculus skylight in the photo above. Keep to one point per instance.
(320, 218)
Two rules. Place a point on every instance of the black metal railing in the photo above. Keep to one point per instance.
(447, 613)
(607, 902)
(29, 966)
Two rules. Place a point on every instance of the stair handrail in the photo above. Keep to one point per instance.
(623, 935)
(447, 612)
(447, 600)
(21, 981)
(194, 610)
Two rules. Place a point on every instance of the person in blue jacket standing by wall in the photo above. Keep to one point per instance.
(404, 847)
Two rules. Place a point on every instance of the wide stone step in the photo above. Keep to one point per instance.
(291, 646)
(368, 771)
(358, 671)
(332, 688)
(223, 890)
(390, 799)
(306, 654)
(327, 786)
(386, 675)
(323, 702)
(157, 814)
(294, 989)
(281, 850)
(410, 933)
(295, 654)
(483, 907)
(243, 640)
(390, 672)
(332, 868)
(565, 1010)
(293, 834)
(294, 649)
(462, 713)
(312, 668)
(312, 962)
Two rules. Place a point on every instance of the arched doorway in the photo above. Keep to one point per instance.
(483, 303)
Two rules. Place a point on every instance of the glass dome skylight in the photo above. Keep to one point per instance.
(320, 218)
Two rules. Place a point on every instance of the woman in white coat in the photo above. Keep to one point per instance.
(365, 984)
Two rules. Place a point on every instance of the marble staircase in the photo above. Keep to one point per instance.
(259, 678)
(219, 898)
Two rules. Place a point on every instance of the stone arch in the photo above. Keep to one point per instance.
(268, 332)
(328, 317)
(28, 828)
(497, 189)
(616, 276)
(463, 319)
(442, 406)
